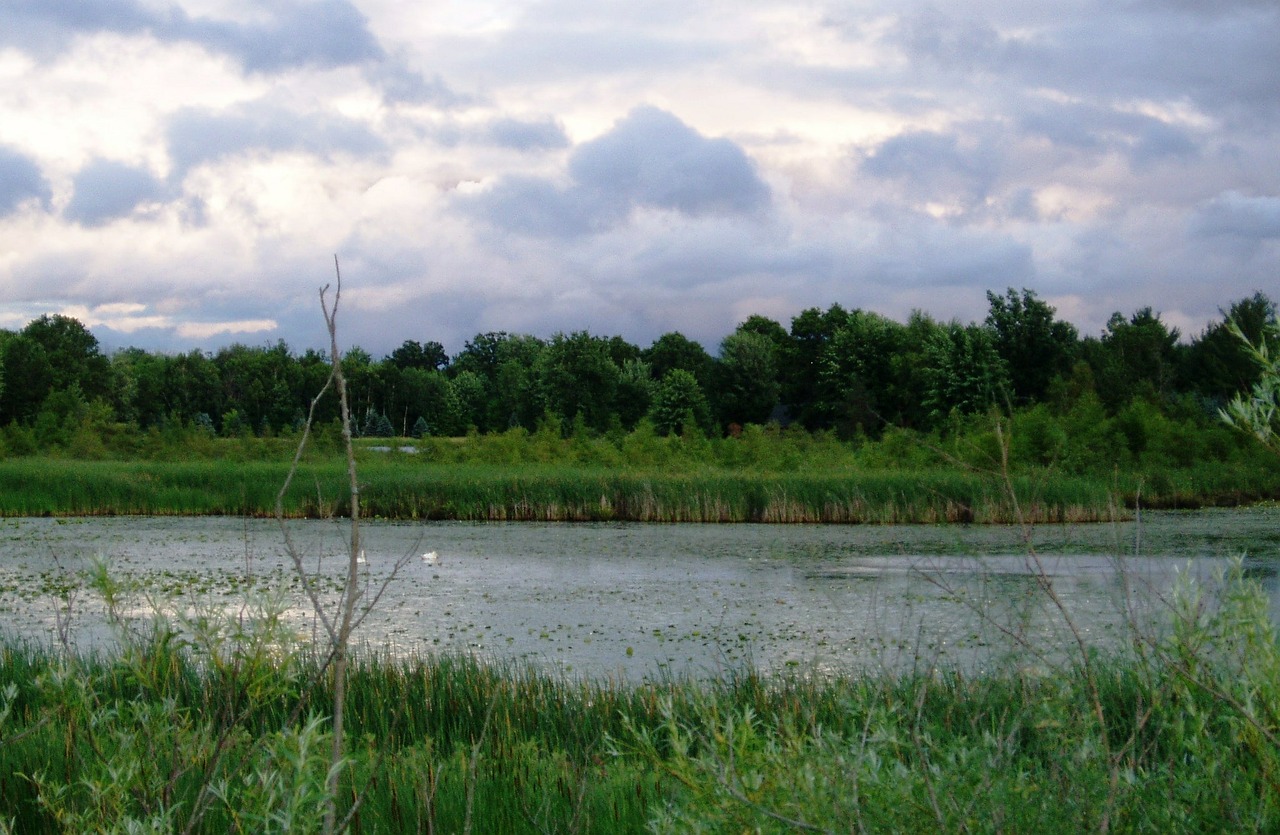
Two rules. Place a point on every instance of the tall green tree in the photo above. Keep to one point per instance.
(1136, 357)
(1218, 364)
(635, 392)
(428, 356)
(73, 354)
(675, 350)
(1035, 346)
(28, 379)
(809, 385)
(746, 380)
(506, 367)
(677, 401)
(965, 372)
(577, 377)
(858, 374)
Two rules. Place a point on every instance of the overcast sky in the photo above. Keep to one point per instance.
(179, 175)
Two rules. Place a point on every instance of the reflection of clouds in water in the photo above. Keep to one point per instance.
(633, 600)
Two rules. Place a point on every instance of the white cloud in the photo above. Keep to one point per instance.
(205, 330)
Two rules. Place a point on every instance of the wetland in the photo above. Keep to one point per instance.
(634, 601)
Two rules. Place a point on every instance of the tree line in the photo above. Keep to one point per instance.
(853, 372)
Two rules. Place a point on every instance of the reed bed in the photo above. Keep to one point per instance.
(396, 488)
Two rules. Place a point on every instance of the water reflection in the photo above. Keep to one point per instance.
(642, 600)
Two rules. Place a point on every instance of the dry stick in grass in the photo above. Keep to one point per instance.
(473, 763)
(338, 626)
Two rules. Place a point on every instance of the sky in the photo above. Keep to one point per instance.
(180, 175)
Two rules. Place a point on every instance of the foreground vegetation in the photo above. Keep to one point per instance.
(210, 725)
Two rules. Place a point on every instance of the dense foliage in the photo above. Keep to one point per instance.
(853, 372)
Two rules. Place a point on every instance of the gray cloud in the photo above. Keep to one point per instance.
(538, 207)
(285, 35)
(552, 42)
(197, 136)
(401, 85)
(1235, 215)
(291, 33)
(43, 27)
(105, 190)
(523, 135)
(20, 180)
(1096, 130)
(649, 159)
(934, 165)
(317, 33)
(1222, 64)
(1107, 155)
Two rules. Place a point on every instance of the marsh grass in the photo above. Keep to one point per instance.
(1188, 722)
(394, 488)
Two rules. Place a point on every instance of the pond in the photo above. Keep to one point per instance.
(637, 600)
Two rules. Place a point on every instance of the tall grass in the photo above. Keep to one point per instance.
(766, 474)
(399, 489)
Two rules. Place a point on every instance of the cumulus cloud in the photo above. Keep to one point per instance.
(105, 189)
(201, 135)
(492, 166)
(650, 159)
(20, 181)
(205, 330)
(526, 135)
(314, 33)
(279, 36)
(283, 34)
(934, 166)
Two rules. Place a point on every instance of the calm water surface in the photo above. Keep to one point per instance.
(636, 601)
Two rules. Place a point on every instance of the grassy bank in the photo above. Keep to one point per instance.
(1177, 738)
(399, 486)
(409, 489)
(763, 474)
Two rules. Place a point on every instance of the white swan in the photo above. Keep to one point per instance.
(360, 558)
(431, 558)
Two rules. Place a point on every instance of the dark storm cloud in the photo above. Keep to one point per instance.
(197, 136)
(105, 190)
(649, 159)
(20, 180)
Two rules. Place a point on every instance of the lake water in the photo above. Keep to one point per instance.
(638, 600)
